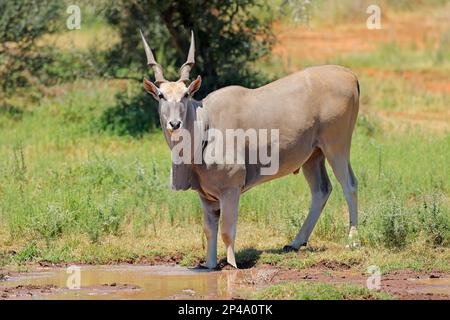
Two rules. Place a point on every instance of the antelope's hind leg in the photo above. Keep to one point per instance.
(344, 174)
(319, 183)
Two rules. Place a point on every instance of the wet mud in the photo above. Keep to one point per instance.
(175, 282)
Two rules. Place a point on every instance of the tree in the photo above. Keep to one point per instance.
(230, 35)
(22, 22)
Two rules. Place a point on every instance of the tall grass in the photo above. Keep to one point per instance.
(64, 181)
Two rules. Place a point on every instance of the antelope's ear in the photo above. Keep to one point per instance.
(195, 85)
(151, 88)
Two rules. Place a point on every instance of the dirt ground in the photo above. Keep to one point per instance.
(297, 43)
(25, 292)
(401, 284)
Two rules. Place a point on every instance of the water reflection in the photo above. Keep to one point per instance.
(137, 282)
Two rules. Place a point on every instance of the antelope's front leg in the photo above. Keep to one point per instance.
(211, 214)
(229, 204)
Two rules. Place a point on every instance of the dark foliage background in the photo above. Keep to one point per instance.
(22, 23)
(230, 35)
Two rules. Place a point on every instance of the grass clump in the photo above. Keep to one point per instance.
(319, 291)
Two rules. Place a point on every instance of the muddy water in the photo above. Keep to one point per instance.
(126, 282)
(433, 286)
(175, 282)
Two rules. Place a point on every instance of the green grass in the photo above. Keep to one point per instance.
(319, 291)
(392, 56)
(73, 193)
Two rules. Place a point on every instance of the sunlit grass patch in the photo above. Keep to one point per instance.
(330, 256)
(392, 56)
(396, 92)
(319, 291)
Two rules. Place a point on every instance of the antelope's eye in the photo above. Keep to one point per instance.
(186, 95)
(160, 95)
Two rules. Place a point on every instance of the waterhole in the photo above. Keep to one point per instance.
(125, 282)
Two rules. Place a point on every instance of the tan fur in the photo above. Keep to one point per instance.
(173, 91)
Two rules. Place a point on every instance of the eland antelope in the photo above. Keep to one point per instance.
(314, 112)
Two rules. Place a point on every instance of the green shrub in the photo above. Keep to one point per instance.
(367, 125)
(49, 223)
(434, 221)
(230, 36)
(71, 66)
(29, 253)
(22, 22)
(133, 116)
(387, 224)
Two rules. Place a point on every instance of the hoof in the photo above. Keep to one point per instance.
(200, 267)
(353, 239)
(224, 265)
(289, 249)
(354, 244)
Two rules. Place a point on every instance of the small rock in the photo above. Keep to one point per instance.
(434, 276)
(189, 291)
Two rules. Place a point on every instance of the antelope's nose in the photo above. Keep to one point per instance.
(175, 124)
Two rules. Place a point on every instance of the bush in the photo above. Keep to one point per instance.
(49, 224)
(387, 224)
(230, 36)
(131, 116)
(368, 125)
(394, 226)
(22, 22)
(71, 66)
(435, 221)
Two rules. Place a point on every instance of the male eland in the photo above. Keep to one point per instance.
(314, 113)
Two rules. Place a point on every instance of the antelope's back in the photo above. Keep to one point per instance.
(297, 101)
